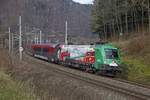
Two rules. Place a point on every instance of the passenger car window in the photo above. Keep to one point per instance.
(38, 49)
(45, 50)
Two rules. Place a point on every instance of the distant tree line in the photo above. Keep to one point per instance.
(111, 18)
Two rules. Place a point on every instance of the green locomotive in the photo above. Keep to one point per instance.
(107, 59)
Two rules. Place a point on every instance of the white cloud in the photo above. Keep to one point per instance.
(84, 1)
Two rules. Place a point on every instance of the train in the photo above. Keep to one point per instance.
(101, 59)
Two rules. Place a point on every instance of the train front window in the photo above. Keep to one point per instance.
(111, 54)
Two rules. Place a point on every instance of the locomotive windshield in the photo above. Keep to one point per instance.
(111, 54)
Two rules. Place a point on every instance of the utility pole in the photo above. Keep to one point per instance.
(40, 37)
(66, 33)
(12, 45)
(20, 39)
(9, 40)
(35, 39)
(27, 41)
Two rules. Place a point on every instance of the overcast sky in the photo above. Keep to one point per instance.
(84, 1)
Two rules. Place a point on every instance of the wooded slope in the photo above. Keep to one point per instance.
(48, 15)
(112, 17)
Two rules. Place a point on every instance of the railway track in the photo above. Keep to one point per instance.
(134, 83)
(121, 86)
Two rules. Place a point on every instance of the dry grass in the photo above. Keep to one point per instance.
(5, 61)
(137, 47)
(140, 47)
(11, 89)
(136, 56)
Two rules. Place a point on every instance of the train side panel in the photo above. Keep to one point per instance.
(77, 53)
(43, 51)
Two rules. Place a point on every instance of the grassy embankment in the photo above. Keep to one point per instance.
(9, 88)
(136, 59)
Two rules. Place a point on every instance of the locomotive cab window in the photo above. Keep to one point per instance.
(111, 54)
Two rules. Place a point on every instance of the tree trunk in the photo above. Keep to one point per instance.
(117, 24)
(149, 14)
(116, 17)
(105, 34)
(132, 22)
(120, 22)
(135, 23)
(142, 20)
(110, 30)
(126, 15)
(113, 25)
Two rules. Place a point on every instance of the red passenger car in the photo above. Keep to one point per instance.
(45, 51)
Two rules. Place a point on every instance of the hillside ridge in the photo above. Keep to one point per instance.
(48, 15)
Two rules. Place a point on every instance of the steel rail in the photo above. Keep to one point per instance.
(97, 82)
(133, 83)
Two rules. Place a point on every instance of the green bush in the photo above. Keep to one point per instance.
(11, 90)
(135, 55)
(136, 71)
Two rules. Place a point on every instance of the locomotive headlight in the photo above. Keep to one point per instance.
(113, 64)
(90, 59)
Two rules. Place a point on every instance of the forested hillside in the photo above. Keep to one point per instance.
(112, 17)
(48, 15)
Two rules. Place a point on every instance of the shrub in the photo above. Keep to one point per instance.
(10, 90)
(140, 47)
(137, 71)
(136, 59)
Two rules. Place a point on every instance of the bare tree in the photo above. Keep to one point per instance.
(148, 2)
